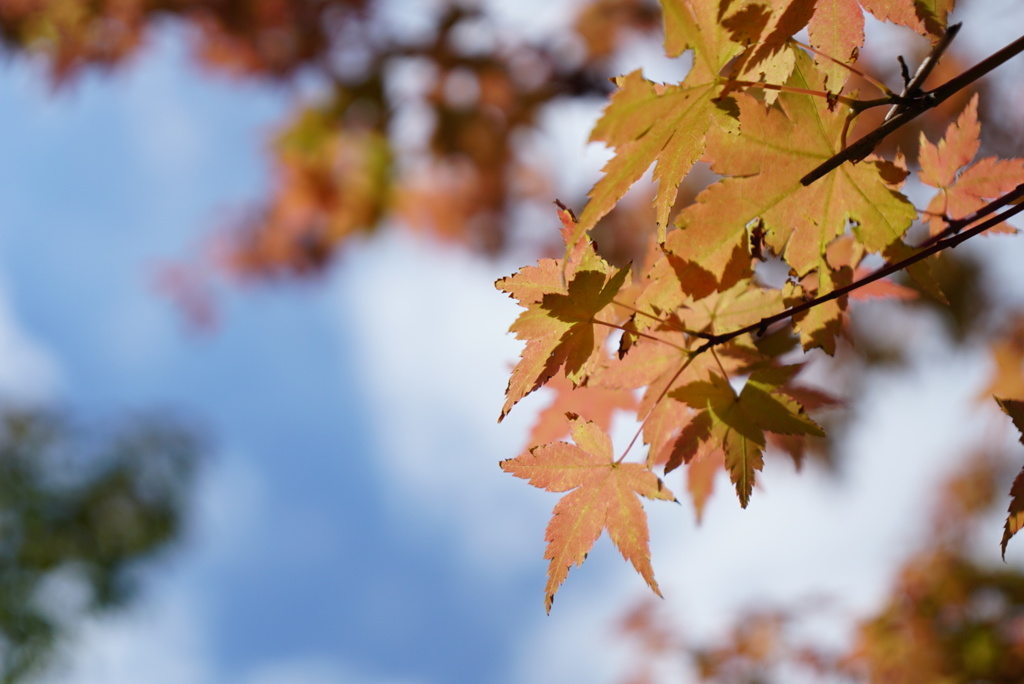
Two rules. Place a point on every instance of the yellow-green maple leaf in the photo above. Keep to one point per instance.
(766, 160)
(650, 123)
(739, 422)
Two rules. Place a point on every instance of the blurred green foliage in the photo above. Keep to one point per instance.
(81, 509)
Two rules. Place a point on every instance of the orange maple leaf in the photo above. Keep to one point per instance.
(964, 187)
(563, 299)
(603, 495)
(837, 28)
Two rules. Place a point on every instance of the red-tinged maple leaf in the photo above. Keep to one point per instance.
(1015, 517)
(647, 122)
(927, 17)
(701, 471)
(603, 495)
(963, 187)
(598, 404)
(837, 29)
(558, 324)
(881, 289)
(703, 456)
(773, 151)
(739, 422)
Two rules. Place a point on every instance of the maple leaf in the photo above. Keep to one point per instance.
(659, 365)
(1015, 517)
(796, 446)
(705, 464)
(603, 495)
(774, 149)
(739, 306)
(820, 326)
(739, 422)
(558, 324)
(1007, 355)
(963, 187)
(703, 456)
(837, 29)
(647, 122)
(927, 17)
(766, 26)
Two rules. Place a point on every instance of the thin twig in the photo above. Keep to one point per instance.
(912, 88)
(639, 334)
(954, 226)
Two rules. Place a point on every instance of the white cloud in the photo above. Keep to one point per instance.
(159, 641)
(314, 671)
(434, 358)
(28, 372)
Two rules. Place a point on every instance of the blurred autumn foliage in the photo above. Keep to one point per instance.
(948, 617)
(419, 127)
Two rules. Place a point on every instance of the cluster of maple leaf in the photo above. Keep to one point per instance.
(707, 341)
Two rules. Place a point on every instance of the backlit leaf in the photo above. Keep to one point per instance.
(603, 495)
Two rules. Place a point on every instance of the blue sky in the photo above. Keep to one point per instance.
(352, 524)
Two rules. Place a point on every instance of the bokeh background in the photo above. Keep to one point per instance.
(345, 519)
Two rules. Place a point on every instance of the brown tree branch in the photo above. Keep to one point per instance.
(913, 86)
(934, 248)
(911, 108)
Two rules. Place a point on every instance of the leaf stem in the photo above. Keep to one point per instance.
(639, 334)
(718, 361)
(849, 67)
(637, 311)
(668, 386)
(848, 101)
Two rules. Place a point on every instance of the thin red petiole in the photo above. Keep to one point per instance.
(657, 401)
(849, 67)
